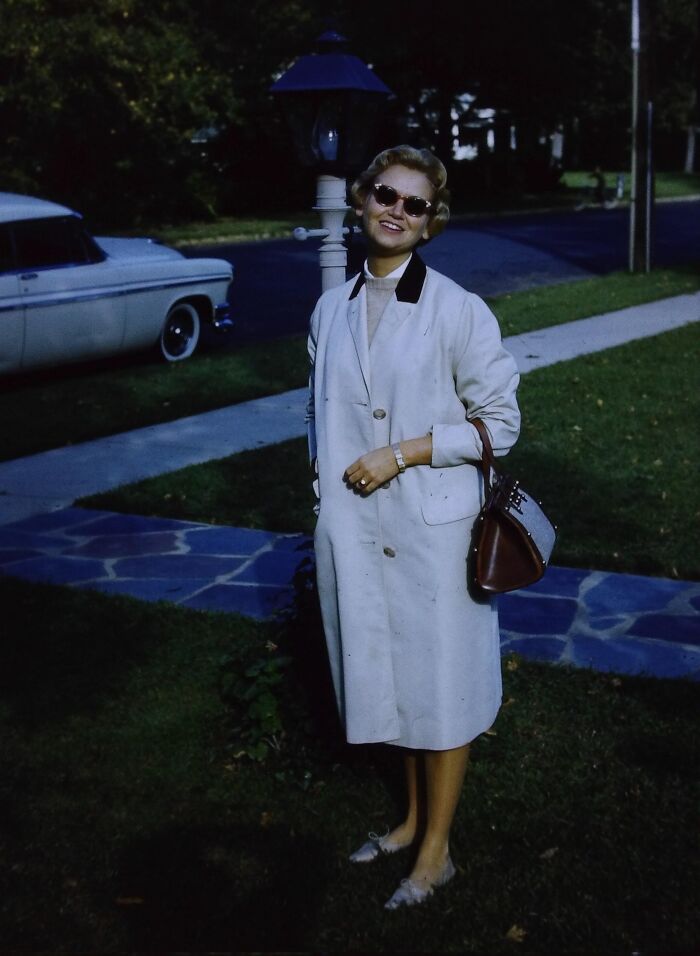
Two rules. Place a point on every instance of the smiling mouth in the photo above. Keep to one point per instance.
(391, 226)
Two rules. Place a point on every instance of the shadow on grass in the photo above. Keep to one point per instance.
(204, 888)
(46, 677)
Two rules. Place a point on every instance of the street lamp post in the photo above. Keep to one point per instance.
(332, 102)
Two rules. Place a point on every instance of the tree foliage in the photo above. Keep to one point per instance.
(100, 99)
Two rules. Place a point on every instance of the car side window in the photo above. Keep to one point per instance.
(6, 257)
(46, 243)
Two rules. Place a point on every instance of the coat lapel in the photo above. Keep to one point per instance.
(357, 320)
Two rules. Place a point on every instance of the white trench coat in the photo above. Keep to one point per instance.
(415, 660)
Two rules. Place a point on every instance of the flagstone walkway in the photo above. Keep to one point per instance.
(610, 622)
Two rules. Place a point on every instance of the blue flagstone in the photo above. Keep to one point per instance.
(57, 570)
(194, 566)
(611, 622)
(272, 567)
(11, 537)
(668, 627)
(56, 520)
(294, 542)
(563, 582)
(229, 541)
(9, 555)
(124, 545)
(631, 592)
(108, 523)
(534, 614)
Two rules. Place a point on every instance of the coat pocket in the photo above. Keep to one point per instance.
(453, 494)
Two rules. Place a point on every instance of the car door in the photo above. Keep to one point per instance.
(72, 309)
(11, 307)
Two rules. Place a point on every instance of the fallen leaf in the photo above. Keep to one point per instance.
(516, 934)
(129, 901)
(548, 854)
(265, 818)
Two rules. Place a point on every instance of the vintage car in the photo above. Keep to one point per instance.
(66, 296)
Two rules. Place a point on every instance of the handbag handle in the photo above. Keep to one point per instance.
(488, 462)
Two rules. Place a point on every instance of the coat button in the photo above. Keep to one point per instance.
(389, 552)
(379, 413)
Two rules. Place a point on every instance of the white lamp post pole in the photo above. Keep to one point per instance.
(332, 208)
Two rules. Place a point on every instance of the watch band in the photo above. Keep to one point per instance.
(396, 448)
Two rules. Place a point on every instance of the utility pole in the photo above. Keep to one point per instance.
(642, 174)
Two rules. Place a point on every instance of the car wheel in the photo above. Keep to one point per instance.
(180, 333)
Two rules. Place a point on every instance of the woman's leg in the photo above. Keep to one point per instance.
(444, 776)
(405, 832)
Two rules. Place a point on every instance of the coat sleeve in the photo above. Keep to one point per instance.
(486, 379)
(310, 406)
(310, 403)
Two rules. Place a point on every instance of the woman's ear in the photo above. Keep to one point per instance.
(359, 212)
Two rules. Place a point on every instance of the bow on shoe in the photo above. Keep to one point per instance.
(374, 847)
(410, 893)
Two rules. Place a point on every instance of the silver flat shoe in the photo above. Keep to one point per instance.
(409, 893)
(374, 847)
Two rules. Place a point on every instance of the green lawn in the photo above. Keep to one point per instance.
(69, 405)
(132, 826)
(605, 443)
(667, 185)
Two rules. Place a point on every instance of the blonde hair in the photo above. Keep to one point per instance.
(420, 159)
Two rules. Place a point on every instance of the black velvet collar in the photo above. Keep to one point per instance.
(410, 284)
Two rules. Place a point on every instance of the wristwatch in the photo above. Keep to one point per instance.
(396, 448)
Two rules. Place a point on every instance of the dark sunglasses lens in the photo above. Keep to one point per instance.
(386, 195)
(415, 206)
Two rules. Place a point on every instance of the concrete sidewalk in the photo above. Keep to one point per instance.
(55, 479)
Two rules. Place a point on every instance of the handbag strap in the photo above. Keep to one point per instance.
(488, 462)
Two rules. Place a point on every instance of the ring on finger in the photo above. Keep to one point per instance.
(362, 482)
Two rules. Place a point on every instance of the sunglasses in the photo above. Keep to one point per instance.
(413, 205)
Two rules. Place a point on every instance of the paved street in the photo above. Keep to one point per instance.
(276, 283)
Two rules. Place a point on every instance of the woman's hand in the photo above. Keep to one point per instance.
(379, 466)
(372, 470)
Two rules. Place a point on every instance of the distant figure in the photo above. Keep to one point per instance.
(599, 188)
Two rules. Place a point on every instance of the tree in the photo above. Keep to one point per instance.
(99, 101)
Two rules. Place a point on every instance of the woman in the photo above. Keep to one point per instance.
(401, 358)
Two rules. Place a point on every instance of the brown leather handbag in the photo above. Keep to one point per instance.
(513, 538)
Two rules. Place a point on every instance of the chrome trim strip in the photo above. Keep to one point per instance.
(66, 298)
(16, 306)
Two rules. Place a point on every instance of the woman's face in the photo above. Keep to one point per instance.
(390, 231)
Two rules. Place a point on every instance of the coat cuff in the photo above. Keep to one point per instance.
(455, 445)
